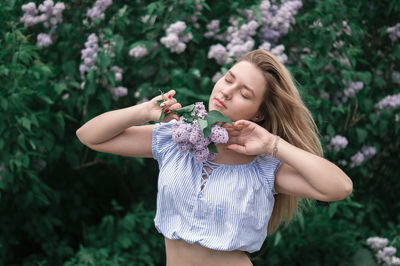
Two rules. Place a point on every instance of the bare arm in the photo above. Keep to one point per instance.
(119, 131)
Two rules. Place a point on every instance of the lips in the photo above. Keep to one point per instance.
(220, 103)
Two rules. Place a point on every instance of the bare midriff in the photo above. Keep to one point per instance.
(181, 253)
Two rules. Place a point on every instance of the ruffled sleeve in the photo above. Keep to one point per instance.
(162, 141)
(268, 166)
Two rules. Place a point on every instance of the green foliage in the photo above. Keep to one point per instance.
(56, 196)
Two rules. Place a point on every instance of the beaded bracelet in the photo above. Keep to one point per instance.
(275, 147)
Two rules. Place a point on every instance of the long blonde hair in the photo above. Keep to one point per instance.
(285, 115)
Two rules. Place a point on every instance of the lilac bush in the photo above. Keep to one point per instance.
(390, 102)
(50, 15)
(385, 254)
(337, 143)
(366, 153)
(89, 54)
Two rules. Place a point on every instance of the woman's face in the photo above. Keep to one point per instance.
(239, 93)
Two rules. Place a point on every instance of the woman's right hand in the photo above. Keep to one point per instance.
(169, 103)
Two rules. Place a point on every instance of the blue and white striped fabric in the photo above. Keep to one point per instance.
(230, 212)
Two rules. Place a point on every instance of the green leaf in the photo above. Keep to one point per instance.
(159, 102)
(26, 123)
(186, 109)
(162, 116)
(361, 134)
(212, 148)
(203, 124)
(278, 237)
(213, 117)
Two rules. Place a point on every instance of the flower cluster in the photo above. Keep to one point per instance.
(396, 77)
(51, 14)
(189, 137)
(366, 153)
(176, 40)
(97, 11)
(352, 88)
(389, 102)
(239, 42)
(118, 72)
(276, 20)
(118, 92)
(385, 254)
(394, 32)
(138, 51)
(89, 54)
(337, 143)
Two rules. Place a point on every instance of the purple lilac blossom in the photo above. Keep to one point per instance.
(138, 52)
(199, 110)
(337, 143)
(276, 20)
(118, 92)
(97, 11)
(212, 28)
(89, 54)
(386, 254)
(188, 136)
(377, 243)
(366, 153)
(175, 40)
(394, 32)
(118, 72)
(352, 88)
(44, 40)
(390, 102)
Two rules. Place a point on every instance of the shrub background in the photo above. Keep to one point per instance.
(62, 203)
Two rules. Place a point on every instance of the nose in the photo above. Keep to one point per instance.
(227, 91)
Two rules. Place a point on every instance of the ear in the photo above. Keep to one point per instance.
(258, 117)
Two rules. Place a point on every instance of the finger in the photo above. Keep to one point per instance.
(175, 106)
(236, 148)
(241, 123)
(169, 94)
(168, 103)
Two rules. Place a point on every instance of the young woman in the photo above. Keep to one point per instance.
(212, 213)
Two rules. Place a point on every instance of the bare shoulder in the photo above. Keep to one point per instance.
(135, 141)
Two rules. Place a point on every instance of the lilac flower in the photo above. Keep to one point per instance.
(89, 54)
(217, 77)
(394, 32)
(219, 134)
(219, 53)
(97, 11)
(390, 102)
(352, 88)
(366, 153)
(377, 243)
(118, 72)
(386, 254)
(43, 40)
(119, 92)
(276, 20)
(337, 143)
(201, 155)
(138, 52)
(175, 39)
(199, 110)
(213, 28)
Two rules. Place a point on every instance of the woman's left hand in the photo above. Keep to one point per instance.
(248, 138)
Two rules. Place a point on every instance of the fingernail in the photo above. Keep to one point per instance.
(170, 96)
(162, 105)
(166, 111)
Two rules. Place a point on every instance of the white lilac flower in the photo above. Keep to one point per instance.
(390, 102)
(377, 243)
(394, 32)
(138, 52)
(97, 11)
(43, 40)
(176, 40)
(277, 51)
(213, 28)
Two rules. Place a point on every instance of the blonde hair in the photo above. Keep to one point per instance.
(285, 115)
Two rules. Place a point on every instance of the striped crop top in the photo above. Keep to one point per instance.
(221, 207)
